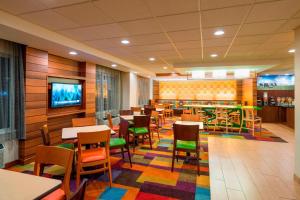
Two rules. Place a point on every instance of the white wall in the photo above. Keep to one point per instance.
(125, 90)
(297, 102)
(133, 90)
(151, 89)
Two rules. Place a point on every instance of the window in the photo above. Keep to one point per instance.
(11, 91)
(143, 90)
(108, 84)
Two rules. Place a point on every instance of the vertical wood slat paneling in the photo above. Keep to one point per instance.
(155, 90)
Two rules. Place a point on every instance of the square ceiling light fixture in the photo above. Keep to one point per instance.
(198, 75)
(219, 74)
(241, 73)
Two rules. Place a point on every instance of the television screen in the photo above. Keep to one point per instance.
(65, 94)
(276, 82)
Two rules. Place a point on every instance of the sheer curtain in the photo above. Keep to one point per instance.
(108, 85)
(11, 91)
(143, 90)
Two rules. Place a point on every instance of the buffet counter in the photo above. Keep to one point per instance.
(278, 114)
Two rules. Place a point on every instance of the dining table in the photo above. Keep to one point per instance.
(129, 117)
(200, 124)
(71, 133)
(17, 185)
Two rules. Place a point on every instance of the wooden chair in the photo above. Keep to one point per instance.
(80, 192)
(168, 113)
(186, 139)
(123, 140)
(126, 112)
(86, 121)
(222, 118)
(47, 141)
(136, 110)
(94, 157)
(51, 155)
(185, 111)
(188, 117)
(110, 123)
(248, 116)
(148, 110)
(154, 123)
(141, 128)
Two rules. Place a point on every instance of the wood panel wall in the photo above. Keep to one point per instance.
(155, 90)
(38, 68)
(249, 92)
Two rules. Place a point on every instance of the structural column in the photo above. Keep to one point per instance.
(297, 102)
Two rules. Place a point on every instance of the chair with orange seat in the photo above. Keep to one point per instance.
(188, 117)
(95, 156)
(86, 121)
(110, 123)
(51, 155)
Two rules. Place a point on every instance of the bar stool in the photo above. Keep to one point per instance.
(222, 117)
(248, 116)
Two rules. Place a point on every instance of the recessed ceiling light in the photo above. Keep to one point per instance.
(73, 53)
(114, 65)
(125, 41)
(152, 59)
(213, 55)
(219, 32)
(165, 67)
(292, 51)
(135, 72)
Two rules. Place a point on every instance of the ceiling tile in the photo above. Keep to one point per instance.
(247, 40)
(96, 32)
(123, 10)
(144, 26)
(170, 7)
(186, 35)
(50, 19)
(217, 42)
(213, 4)
(291, 24)
(15, 7)
(155, 47)
(208, 33)
(188, 44)
(283, 37)
(180, 22)
(275, 10)
(274, 46)
(223, 17)
(58, 3)
(261, 28)
(89, 14)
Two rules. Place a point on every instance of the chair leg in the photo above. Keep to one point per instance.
(260, 127)
(198, 164)
(241, 125)
(158, 134)
(150, 141)
(129, 157)
(77, 176)
(173, 158)
(109, 174)
(122, 150)
(253, 126)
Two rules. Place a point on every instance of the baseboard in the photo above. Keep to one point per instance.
(297, 178)
(12, 163)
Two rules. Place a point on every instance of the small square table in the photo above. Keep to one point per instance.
(17, 185)
(71, 133)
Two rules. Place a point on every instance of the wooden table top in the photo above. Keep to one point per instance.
(71, 133)
(190, 123)
(17, 185)
(129, 117)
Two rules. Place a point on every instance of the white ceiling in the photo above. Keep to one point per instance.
(175, 32)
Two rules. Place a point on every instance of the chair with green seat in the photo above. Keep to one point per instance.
(122, 141)
(47, 141)
(141, 128)
(186, 139)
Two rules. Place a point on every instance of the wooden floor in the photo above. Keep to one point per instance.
(253, 170)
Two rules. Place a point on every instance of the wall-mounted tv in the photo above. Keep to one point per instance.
(65, 94)
(276, 82)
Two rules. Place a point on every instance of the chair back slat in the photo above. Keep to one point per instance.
(45, 135)
(126, 112)
(148, 110)
(109, 119)
(93, 137)
(87, 121)
(55, 156)
(123, 131)
(186, 132)
(188, 117)
(141, 121)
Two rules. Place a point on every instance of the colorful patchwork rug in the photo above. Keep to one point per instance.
(150, 176)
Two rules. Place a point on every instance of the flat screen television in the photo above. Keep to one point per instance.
(65, 94)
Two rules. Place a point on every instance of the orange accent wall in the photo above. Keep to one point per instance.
(199, 90)
(249, 92)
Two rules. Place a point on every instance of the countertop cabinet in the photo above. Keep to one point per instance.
(277, 114)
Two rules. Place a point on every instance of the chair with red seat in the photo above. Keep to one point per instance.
(51, 155)
(110, 123)
(96, 157)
